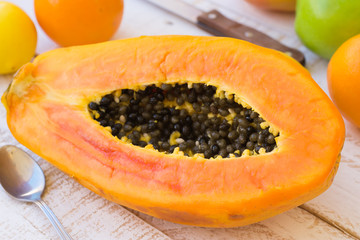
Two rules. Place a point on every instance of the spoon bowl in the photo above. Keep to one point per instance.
(23, 179)
(20, 176)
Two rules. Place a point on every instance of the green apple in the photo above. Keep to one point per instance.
(323, 25)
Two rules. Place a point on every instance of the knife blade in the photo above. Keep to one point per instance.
(217, 24)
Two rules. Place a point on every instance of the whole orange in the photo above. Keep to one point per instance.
(344, 79)
(77, 22)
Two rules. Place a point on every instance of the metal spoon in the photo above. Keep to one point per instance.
(23, 179)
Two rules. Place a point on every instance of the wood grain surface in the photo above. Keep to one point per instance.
(333, 215)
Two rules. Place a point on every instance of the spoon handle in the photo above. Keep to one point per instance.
(53, 219)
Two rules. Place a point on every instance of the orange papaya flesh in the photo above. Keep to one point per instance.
(47, 111)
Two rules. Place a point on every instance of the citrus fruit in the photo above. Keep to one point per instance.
(344, 79)
(18, 38)
(78, 22)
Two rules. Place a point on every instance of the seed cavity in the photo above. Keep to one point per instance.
(186, 119)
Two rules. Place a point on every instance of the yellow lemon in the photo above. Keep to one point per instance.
(17, 38)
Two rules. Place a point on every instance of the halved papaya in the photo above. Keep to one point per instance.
(66, 107)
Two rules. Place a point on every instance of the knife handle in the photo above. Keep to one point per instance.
(219, 25)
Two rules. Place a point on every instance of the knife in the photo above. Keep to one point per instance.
(217, 24)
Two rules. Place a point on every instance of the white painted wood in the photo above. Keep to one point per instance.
(87, 216)
(295, 224)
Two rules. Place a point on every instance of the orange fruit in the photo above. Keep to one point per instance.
(344, 79)
(78, 22)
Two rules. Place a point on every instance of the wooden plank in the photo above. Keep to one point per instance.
(296, 224)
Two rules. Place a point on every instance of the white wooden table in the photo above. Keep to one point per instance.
(333, 215)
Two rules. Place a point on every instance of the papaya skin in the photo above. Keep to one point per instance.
(47, 112)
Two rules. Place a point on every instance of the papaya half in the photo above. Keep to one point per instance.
(206, 131)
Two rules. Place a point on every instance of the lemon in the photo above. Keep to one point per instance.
(17, 38)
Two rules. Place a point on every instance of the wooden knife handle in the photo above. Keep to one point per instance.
(219, 25)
